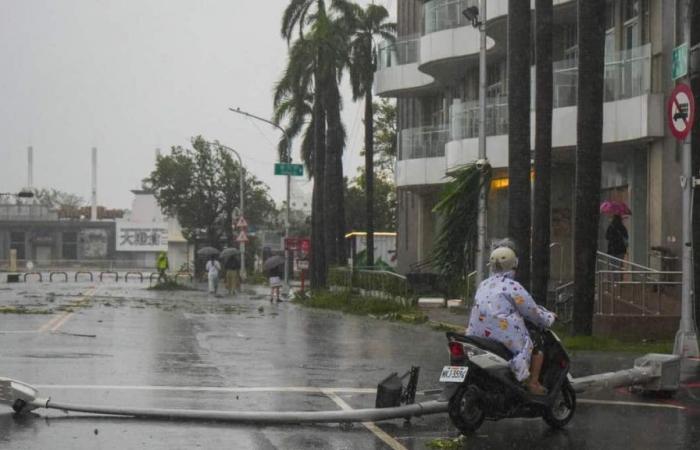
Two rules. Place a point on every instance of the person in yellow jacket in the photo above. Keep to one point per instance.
(163, 265)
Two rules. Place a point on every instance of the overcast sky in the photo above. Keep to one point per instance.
(130, 76)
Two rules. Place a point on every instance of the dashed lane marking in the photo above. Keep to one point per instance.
(371, 426)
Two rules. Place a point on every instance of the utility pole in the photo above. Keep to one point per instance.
(478, 18)
(686, 343)
(289, 185)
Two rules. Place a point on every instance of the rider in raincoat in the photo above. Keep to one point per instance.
(500, 306)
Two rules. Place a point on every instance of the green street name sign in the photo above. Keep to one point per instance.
(295, 170)
(679, 67)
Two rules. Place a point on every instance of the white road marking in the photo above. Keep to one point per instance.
(619, 403)
(371, 426)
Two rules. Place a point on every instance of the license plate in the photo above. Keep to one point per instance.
(453, 374)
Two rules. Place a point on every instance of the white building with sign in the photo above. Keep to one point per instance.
(146, 232)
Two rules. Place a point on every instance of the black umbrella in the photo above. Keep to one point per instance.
(207, 251)
(228, 252)
(272, 262)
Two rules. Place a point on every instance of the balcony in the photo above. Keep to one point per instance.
(450, 45)
(397, 68)
(627, 75)
(464, 118)
(423, 142)
(441, 15)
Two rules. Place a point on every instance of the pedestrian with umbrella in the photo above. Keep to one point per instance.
(273, 267)
(213, 268)
(232, 264)
(616, 233)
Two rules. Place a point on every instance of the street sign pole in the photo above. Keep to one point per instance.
(686, 342)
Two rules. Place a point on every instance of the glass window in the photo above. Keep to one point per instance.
(680, 21)
(630, 9)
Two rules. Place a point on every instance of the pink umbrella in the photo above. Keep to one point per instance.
(613, 208)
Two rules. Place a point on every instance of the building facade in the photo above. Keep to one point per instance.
(433, 72)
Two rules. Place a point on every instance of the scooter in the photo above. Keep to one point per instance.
(480, 385)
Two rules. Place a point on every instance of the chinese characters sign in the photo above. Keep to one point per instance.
(142, 237)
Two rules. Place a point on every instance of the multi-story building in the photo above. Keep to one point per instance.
(432, 70)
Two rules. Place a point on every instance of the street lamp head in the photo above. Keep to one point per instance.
(472, 14)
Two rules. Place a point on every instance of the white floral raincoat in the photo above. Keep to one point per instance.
(500, 305)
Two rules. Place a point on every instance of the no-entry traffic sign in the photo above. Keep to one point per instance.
(681, 111)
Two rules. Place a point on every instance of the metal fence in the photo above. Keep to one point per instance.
(624, 288)
(373, 283)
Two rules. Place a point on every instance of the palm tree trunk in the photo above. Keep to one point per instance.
(589, 142)
(369, 175)
(543, 150)
(519, 201)
(319, 267)
(331, 99)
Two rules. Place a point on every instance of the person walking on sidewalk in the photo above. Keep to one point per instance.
(213, 268)
(233, 278)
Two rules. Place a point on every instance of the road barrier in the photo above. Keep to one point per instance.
(41, 278)
(82, 272)
(116, 274)
(65, 276)
(139, 274)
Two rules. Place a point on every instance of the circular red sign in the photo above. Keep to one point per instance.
(681, 111)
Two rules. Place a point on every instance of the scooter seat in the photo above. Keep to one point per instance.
(490, 345)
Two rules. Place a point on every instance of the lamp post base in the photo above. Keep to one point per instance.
(686, 344)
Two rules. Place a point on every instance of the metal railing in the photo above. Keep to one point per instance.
(627, 75)
(624, 288)
(464, 118)
(374, 283)
(423, 142)
(405, 50)
(445, 14)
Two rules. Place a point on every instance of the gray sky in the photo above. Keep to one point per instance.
(130, 76)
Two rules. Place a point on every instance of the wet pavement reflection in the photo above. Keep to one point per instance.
(110, 343)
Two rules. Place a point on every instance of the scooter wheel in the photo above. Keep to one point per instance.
(465, 411)
(563, 408)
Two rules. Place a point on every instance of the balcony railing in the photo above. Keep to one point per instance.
(445, 14)
(627, 75)
(423, 142)
(405, 50)
(464, 118)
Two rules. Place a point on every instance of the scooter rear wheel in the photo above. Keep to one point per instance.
(563, 408)
(464, 410)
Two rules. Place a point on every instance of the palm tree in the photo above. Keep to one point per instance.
(519, 132)
(543, 150)
(309, 89)
(589, 142)
(366, 25)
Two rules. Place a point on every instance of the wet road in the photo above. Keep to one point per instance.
(114, 344)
